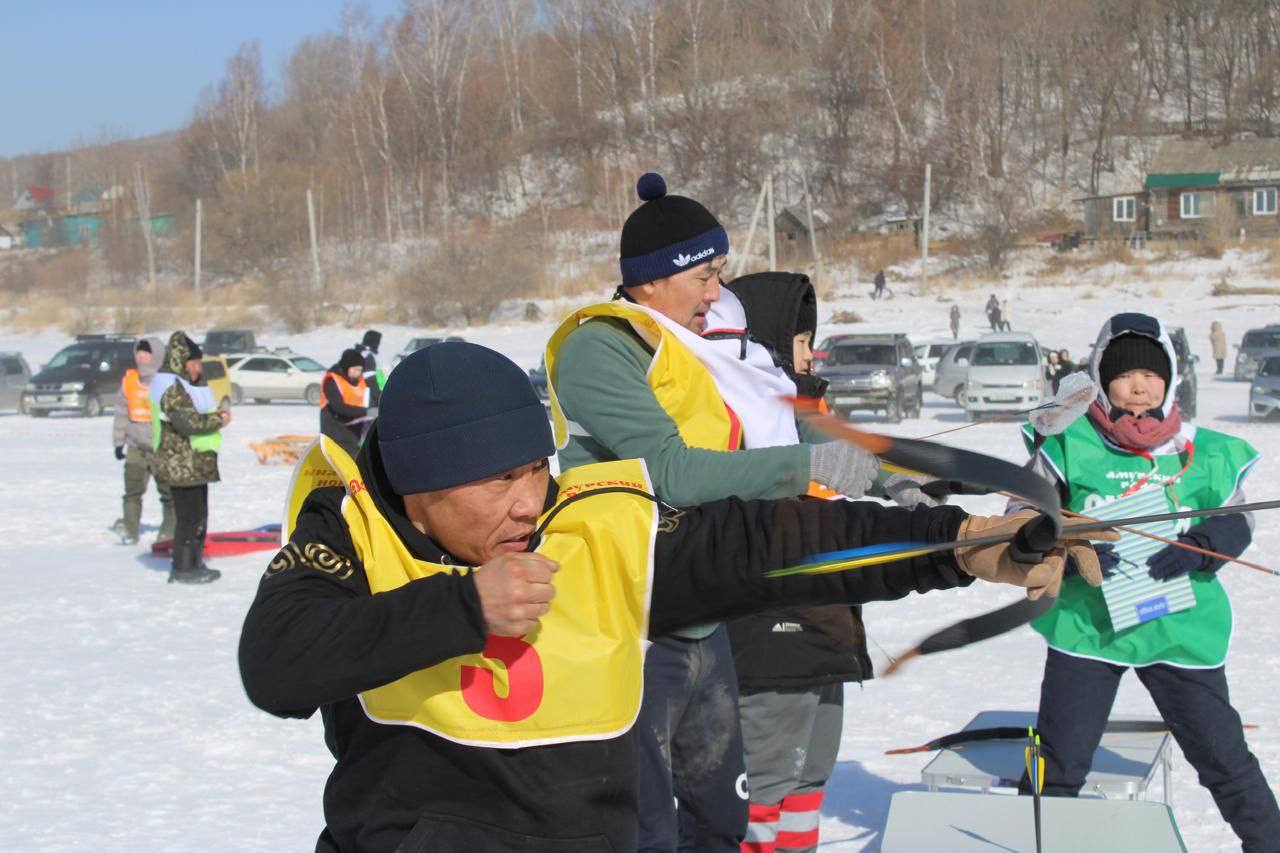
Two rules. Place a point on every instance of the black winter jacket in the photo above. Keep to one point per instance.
(314, 638)
(800, 647)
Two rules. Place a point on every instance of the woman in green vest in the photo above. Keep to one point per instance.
(1162, 611)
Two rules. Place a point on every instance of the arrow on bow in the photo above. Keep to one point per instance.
(984, 626)
(839, 561)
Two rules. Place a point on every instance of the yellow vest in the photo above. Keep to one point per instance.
(682, 384)
(579, 675)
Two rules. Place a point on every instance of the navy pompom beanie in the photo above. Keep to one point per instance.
(666, 234)
(455, 413)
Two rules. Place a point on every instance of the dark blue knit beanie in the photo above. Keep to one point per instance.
(458, 412)
(666, 234)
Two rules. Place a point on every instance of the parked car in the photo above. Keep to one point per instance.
(1006, 374)
(14, 375)
(538, 379)
(223, 341)
(1264, 392)
(1252, 346)
(929, 354)
(214, 370)
(952, 371)
(82, 377)
(279, 375)
(872, 372)
(1188, 385)
(418, 343)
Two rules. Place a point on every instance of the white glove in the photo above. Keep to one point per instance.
(843, 468)
(904, 490)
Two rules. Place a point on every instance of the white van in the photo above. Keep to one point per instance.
(929, 354)
(1006, 374)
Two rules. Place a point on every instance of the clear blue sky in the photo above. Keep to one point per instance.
(74, 67)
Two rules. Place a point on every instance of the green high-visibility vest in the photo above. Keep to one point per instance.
(1096, 472)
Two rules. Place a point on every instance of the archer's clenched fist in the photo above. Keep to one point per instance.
(515, 592)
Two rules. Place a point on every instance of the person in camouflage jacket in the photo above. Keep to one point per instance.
(185, 428)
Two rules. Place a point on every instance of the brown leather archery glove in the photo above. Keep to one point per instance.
(1040, 572)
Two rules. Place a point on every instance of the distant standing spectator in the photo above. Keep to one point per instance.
(955, 322)
(1006, 315)
(1064, 360)
(344, 402)
(131, 435)
(368, 349)
(1053, 370)
(993, 313)
(879, 285)
(187, 425)
(1218, 338)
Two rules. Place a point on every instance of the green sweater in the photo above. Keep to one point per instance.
(600, 381)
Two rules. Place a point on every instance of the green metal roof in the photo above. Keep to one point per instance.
(1169, 180)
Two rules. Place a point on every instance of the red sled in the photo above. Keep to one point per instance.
(229, 543)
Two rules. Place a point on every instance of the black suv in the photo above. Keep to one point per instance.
(83, 377)
(1188, 385)
(872, 372)
(224, 341)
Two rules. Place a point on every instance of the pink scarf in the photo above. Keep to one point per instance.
(1131, 431)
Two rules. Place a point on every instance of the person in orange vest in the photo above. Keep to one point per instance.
(344, 402)
(131, 437)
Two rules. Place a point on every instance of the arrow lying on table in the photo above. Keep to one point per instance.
(1020, 733)
(854, 558)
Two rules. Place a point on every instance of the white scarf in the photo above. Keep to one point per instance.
(757, 390)
(201, 395)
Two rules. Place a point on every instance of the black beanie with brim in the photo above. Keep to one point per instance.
(1132, 351)
(457, 412)
(349, 358)
(667, 234)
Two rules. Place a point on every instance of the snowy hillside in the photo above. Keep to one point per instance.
(126, 728)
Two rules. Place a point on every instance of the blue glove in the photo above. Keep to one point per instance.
(1107, 560)
(1171, 561)
(1226, 534)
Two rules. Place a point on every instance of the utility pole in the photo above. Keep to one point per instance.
(142, 196)
(769, 226)
(924, 231)
(813, 234)
(741, 260)
(315, 249)
(199, 230)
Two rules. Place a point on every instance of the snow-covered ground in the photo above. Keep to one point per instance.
(125, 726)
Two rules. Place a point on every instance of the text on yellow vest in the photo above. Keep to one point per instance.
(578, 676)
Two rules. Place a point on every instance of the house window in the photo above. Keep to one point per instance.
(1190, 206)
(1122, 209)
(1264, 201)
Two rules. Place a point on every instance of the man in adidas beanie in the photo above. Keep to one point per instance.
(614, 398)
